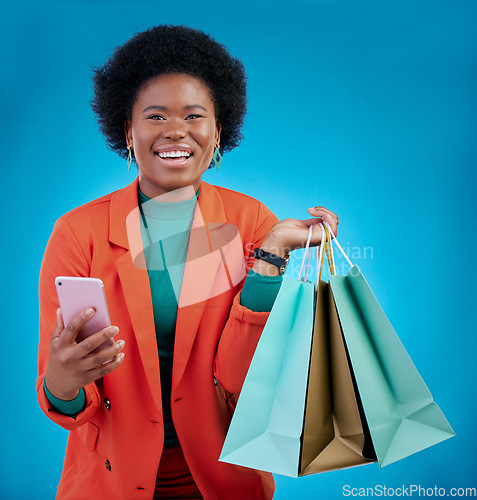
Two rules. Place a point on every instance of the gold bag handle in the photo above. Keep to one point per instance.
(326, 246)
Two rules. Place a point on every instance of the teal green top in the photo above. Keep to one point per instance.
(165, 229)
(69, 408)
(165, 235)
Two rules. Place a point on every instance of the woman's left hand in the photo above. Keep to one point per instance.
(290, 234)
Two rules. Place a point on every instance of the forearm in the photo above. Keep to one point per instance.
(63, 257)
(272, 245)
(260, 290)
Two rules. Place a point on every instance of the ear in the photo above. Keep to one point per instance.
(128, 131)
(218, 130)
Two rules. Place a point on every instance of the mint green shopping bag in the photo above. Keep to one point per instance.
(267, 423)
(401, 414)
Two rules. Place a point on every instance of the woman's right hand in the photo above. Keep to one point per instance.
(71, 365)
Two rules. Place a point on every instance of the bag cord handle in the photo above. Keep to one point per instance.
(305, 255)
(337, 243)
(321, 249)
(326, 245)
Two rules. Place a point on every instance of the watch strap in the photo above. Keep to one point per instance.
(271, 258)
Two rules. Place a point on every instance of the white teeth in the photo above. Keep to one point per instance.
(174, 154)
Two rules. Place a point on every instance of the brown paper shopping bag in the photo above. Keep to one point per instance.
(335, 433)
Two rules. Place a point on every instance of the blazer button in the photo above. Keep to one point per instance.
(108, 465)
(107, 403)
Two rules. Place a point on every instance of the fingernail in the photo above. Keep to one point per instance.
(89, 311)
(121, 343)
(121, 356)
(114, 330)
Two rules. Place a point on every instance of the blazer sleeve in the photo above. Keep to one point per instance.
(63, 257)
(243, 328)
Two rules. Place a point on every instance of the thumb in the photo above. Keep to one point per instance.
(59, 326)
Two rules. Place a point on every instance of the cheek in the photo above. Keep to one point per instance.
(142, 136)
(143, 140)
(206, 136)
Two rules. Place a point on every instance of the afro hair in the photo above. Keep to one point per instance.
(162, 50)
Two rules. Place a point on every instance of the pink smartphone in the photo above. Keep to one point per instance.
(77, 294)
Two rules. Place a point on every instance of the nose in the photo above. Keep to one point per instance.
(175, 129)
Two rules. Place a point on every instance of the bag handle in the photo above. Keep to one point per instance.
(319, 255)
(329, 252)
(306, 254)
(337, 244)
(321, 249)
(325, 246)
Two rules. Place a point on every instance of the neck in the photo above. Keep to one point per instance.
(175, 195)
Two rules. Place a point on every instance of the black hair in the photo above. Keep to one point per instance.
(161, 50)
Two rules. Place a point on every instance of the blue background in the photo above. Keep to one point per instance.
(367, 108)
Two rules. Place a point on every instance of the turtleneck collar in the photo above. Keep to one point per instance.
(175, 211)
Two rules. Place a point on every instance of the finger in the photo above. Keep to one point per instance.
(103, 370)
(93, 341)
(316, 235)
(68, 335)
(322, 209)
(319, 211)
(326, 216)
(94, 360)
(59, 326)
(332, 222)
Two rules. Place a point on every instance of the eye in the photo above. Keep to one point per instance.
(193, 116)
(155, 117)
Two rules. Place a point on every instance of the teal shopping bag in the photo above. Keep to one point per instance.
(400, 412)
(267, 423)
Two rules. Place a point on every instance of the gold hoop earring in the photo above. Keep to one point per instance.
(130, 158)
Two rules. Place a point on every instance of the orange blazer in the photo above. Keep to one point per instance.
(115, 444)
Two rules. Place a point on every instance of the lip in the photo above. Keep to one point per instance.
(176, 162)
(173, 147)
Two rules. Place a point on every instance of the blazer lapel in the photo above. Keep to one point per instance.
(125, 231)
(212, 244)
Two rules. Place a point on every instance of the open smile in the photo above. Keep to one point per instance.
(174, 158)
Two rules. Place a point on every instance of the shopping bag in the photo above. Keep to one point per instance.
(266, 428)
(335, 432)
(400, 411)
(272, 428)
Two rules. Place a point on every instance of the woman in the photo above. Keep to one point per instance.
(171, 251)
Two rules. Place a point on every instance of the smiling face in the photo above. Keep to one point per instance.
(173, 132)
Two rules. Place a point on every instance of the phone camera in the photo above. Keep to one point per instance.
(60, 283)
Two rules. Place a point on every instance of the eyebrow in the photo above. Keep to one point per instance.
(156, 107)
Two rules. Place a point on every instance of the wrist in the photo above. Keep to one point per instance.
(269, 263)
(68, 395)
(273, 245)
(265, 268)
